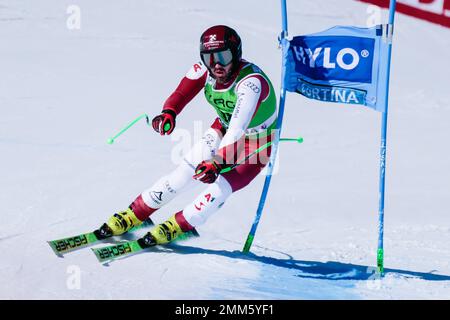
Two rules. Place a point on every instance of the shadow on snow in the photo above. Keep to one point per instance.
(329, 270)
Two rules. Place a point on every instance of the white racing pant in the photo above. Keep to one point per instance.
(169, 186)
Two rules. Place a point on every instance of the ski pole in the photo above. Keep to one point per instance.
(111, 140)
(265, 146)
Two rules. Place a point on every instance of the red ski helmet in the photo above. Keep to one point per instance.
(220, 44)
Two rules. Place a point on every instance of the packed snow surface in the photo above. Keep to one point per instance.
(65, 90)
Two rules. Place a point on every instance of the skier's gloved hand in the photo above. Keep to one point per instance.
(165, 122)
(207, 171)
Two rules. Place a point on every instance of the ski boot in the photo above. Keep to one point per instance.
(118, 224)
(162, 234)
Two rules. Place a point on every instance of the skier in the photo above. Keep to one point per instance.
(245, 102)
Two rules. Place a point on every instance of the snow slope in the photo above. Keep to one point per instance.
(64, 92)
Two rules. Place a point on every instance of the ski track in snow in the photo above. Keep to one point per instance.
(64, 92)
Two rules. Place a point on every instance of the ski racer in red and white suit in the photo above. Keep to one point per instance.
(245, 102)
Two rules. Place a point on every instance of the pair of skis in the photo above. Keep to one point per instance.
(111, 252)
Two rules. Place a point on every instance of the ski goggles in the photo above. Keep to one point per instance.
(223, 58)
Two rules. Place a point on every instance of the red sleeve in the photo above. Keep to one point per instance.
(188, 88)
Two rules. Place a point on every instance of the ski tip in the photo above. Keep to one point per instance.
(96, 255)
(104, 262)
(58, 254)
